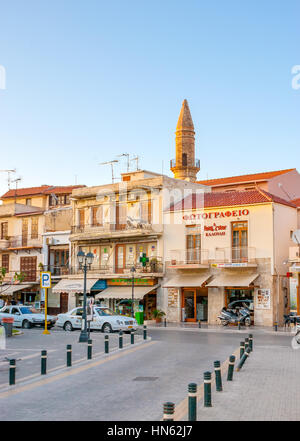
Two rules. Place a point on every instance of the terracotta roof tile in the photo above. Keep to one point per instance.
(296, 202)
(244, 178)
(44, 189)
(221, 199)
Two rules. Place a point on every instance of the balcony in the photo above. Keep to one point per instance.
(235, 257)
(4, 244)
(294, 254)
(188, 259)
(130, 229)
(174, 164)
(57, 271)
(24, 242)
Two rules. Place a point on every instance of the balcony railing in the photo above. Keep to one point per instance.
(294, 254)
(129, 226)
(174, 164)
(194, 256)
(152, 267)
(57, 271)
(25, 241)
(235, 255)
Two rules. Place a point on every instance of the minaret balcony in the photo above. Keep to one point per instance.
(174, 164)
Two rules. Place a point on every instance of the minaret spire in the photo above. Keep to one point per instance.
(185, 166)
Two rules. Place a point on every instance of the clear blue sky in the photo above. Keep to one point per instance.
(87, 80)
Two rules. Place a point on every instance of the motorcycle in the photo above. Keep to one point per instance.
(232, 316)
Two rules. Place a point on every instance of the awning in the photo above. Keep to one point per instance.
(73, 285)
(125, 292)
(236, 279)
(8, 290)
(191, 281)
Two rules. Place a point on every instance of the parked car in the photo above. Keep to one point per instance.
(104, 319)
(25, 317)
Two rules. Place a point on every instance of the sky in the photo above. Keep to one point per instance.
(87, 80)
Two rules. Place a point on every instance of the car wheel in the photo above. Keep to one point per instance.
(68, 326)
(106, 328)
(26, 324)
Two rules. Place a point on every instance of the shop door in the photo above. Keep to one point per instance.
(63, 302)
(120, 258)
(189, 304)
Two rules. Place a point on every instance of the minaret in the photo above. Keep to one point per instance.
(185, 166)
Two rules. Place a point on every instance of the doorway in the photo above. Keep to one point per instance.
(120, 258)
(194, 303)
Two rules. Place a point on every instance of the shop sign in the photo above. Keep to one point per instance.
(217, 214)
(128, 282)
(215, 230)
(229, 265)
(263, 297)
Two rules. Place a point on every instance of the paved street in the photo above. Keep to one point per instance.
(131, 385)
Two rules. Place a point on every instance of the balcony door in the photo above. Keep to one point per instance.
(120, 258)
(193, 248)
(240, 242)
(24, 232)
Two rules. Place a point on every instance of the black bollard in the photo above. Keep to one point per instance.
(246, 343)
(69, 355)
(121, 340)
(43, 362)
(207, 389)
(251, 342)
(169, 409)
(218, 376)
(106, 344)
(145, 332)
(132, 337)
(242, 348)
(192, 393)
(12, 372)
(243, 359)
(90, 349)
(230, 368)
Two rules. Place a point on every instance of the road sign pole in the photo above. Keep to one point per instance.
(46, 308)
(45, 284)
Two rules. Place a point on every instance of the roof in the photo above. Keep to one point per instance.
(221, 199)
(296, 202)
(44, 189)
(245, 178)
(185, 121)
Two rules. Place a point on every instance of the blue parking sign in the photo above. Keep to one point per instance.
(45, 279)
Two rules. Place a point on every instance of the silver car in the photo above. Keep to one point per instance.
(104, 319)
(25, 317)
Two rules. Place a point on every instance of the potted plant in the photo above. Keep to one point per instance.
(157, 315)
(154, 265)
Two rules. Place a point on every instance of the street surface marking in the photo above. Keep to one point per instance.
(70, 371)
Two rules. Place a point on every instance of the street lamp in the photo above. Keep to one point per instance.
(132, 270)
(85, 261)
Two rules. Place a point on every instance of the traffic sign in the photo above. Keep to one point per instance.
(45, 279)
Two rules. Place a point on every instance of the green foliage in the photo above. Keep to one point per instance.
(157, 313)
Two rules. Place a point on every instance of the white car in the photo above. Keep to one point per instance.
(26, 317)
(104, 319)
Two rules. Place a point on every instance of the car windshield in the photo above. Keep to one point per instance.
(25, 310)
(105, 311)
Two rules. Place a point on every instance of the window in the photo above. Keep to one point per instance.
(145, 211)
(121, 216)
(193, 248)
(15, 311)
(34, 227)
(5, 262)
(4, 230)
(24, 232)
(28, 266)
(81, 217)
(239, 241)
(184, 159)
(28, 201)
(97, 216)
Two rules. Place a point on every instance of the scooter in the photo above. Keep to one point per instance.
(228, 316)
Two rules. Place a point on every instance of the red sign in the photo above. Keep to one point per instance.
(217, 214)
(215, 230)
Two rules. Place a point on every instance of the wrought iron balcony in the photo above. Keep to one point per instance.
(174, 163)
(235, 255)
(189, 258)
(25, 242)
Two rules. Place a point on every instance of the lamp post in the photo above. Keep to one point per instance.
(132, 270)
(85, 261)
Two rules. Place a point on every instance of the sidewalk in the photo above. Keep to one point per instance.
(267, 388)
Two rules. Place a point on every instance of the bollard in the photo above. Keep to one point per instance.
(239, 325)
(145, 332)
(243, 359)
(121, 340)
(192, 390)
(165, 323)
(230, 368)
(90, 349)
(69, 355)
(199, 324)
(242, 348)
(207, 389)
(106, 344)
(132, 337)
(43, 362)
(246, 343)
(12, 372)
(276, 326)
(251, 342)
(218, 376)
(169, 409)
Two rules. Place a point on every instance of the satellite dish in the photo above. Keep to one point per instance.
(296, 237)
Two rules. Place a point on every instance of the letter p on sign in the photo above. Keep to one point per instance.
(46, 279)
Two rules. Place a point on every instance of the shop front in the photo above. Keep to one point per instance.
(193, 296)
(17, 294)
(70, 292)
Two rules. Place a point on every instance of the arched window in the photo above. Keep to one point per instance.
(184, 159)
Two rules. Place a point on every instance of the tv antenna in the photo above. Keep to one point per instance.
(112, 163)
(16, 181)
(283, 189)
(296, 238)
(137, 162)
(127, 155)
(8, 175)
